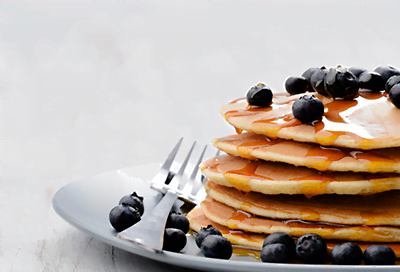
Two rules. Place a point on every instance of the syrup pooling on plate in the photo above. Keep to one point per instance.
(337, 120)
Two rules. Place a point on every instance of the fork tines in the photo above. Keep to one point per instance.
(187, 187)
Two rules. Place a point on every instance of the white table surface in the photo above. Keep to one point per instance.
(92, 87)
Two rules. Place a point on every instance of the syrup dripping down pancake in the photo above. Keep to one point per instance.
(371, 210)
(280, 178)
(240, 220)
(256, 146)
(198, 220)
(368, 122)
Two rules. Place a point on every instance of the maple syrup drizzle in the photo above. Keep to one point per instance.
(322, 156)
(246, 148)
(247, 173)
(238, 217)
(239, 178)
(334, 123)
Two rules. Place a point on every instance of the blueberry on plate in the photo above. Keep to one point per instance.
(204, 232)
(387, 71)
(357, 71)
(394, 95)
(311, 248)
(123, 216)
(307, 109)
(317, 81)
(259, 95)
(174, 240)
(178, 221)
(275, 253)
(379, 255)
(341, 83)
(215, 246)
(346, 254)
(282, 238)
(296, 85)
(135, 201)
(371, 81)
(391, 82)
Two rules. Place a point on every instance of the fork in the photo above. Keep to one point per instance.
(149, 232)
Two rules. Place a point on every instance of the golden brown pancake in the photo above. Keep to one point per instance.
(255, 240)
(256, 146)
(371, 210)
(368, 122)
(240, 220)
(281, 178)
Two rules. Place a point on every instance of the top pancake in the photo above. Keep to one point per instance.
(368, 122)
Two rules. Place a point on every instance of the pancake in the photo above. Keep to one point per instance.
(198, 220)
(371, 210)
(240, 220)
(368, 122)
(256, 146)
(280, 178)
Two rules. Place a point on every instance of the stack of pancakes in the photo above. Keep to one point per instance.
(338, 177)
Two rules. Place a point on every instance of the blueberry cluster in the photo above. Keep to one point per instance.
(311, 248)
(351, 254)
(213, 244)
(279, 247)
(175, 232)
(127, 213)
(342, 83)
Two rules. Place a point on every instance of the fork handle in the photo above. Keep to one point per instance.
(149, 232)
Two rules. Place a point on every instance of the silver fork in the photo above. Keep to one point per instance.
(149, 232)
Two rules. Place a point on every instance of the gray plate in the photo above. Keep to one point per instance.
(86, 203)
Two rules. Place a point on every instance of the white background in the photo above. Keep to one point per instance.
(88, 87)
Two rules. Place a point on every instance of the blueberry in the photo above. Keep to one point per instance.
(387, 71)
(311, 248)
(347, 254)
(281, 238)
(372, 81)
(307, 109)
(357, 71)
(379, 255)
(135, 201)
(215, 246)
(174, 240)
(123, 216)
(259, 95)
(394, 95)
(204, 232)
(340, 82)
(307, 75)
(275, 253)
(178, 221)
(317, 81)
(296, 85)
(391, 82)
